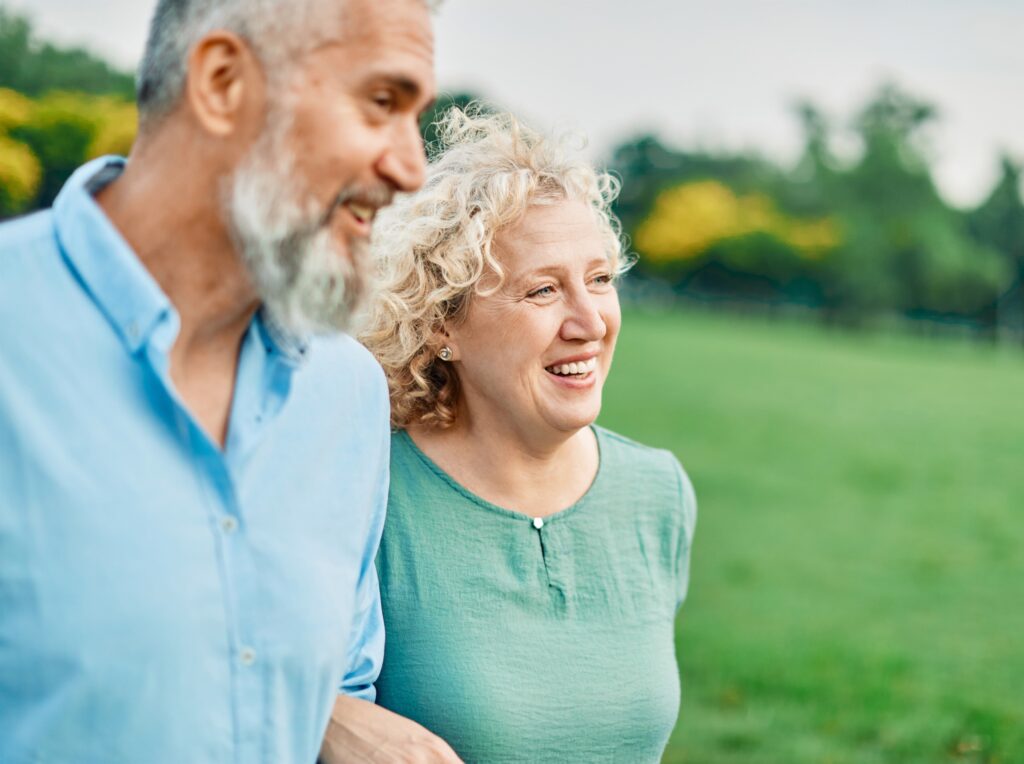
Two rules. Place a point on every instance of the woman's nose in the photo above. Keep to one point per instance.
(584, 320)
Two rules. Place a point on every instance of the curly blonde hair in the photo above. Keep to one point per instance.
(434, 248)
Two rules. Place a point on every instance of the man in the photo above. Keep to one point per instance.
(194, 459)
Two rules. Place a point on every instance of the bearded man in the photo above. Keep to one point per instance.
(194, 464)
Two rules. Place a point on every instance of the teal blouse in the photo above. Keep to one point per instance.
(522, 639)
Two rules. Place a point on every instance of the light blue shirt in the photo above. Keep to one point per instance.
(163, 600)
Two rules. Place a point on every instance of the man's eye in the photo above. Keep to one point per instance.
(385, 101)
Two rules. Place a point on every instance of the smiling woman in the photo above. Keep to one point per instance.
(532, 563)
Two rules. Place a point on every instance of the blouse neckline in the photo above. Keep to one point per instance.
(512, 514)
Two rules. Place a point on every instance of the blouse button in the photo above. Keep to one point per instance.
(538, 522)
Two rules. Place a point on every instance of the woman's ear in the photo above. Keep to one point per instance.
(447, 346)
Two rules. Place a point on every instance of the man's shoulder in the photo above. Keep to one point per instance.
(340, 369)
(24, 237)
(34, 279)
(341, 354)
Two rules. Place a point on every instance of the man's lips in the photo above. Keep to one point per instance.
(359, 207)
(359, 222)
(364, 213)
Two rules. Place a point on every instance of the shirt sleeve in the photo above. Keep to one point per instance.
(366, 642)
(366, 651)
(688, 510)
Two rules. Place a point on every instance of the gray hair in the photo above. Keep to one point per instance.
(277, 31)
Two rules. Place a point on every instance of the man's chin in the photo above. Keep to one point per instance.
(319, 292)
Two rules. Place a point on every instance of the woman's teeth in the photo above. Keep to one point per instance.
(569, 369)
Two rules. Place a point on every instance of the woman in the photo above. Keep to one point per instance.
(532, 562)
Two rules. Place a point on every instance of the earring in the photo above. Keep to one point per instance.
(445, 353)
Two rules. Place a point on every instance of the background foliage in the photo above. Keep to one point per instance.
(853, 238)
(855, 594)
(58, 108)
(856, 238)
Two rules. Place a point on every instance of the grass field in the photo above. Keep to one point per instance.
(857, 590)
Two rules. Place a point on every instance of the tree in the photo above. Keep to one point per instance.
(34, 68)
(998, 223)
(904, 249)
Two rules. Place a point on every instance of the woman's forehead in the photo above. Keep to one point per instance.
(565, 230)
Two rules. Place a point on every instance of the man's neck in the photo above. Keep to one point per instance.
(171, 217)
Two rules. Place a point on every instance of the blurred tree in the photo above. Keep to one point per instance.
(58, 107)
(20, 171)
(646, 167)
(715, 242)
(905, 249)
(34, 68)
(999, 223)
(810, 189)
(62, 130)
(710, 224)
(858, 238)
(19, 176)
(59, 133)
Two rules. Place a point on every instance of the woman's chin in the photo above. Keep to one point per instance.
(570, 419)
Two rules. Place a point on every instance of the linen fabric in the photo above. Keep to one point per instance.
(544, 640)
(163, 600)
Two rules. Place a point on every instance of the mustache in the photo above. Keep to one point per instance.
(375, 196)
(379, 195)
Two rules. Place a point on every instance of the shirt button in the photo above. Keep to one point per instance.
(538, 522)
(247, 656)
(228, 524)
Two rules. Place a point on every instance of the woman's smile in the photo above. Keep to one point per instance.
(574, 374)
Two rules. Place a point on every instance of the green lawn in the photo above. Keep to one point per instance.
(857, 588)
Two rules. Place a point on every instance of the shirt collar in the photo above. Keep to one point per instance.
(110, 271)
(118, 281)
(292, 347)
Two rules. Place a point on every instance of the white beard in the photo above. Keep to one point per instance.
(308, 283)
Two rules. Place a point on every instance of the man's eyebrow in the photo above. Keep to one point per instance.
(405, 85)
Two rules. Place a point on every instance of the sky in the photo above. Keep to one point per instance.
(714, 74)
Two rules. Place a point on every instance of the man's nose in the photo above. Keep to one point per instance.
(404, 164)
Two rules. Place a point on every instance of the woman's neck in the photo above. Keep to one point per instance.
(536, 477)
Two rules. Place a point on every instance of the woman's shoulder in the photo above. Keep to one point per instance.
(407, 460)
(625, 453)
(654, 477)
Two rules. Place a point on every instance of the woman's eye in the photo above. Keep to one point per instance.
(544, 291)
(603, 278)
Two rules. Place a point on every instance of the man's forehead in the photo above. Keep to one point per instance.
(385, 19)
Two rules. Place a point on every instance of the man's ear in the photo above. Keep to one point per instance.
(224, 83)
